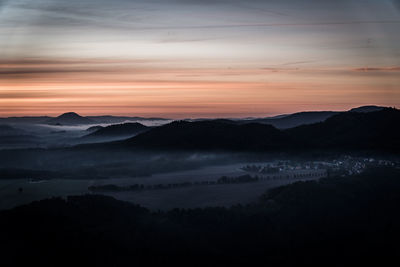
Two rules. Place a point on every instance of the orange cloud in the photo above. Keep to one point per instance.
(144, 88)
(366, 69)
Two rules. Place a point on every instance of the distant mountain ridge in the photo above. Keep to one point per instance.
(359, 130)
(348, 130)
(105, 119)
(124, 129)
(295, 119)
(121, 119)
(367, 109)
(283, 121)
(307, 117)
(287, 121)
(70, 118)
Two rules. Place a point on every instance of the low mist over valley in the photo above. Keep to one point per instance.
(198, 169)
(199, 133)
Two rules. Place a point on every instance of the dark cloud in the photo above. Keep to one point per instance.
(396, 3)
(256, 25)
(26, 94)
(366, 69)
(19, 71)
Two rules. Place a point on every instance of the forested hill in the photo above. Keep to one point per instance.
(379, 130)
(353, 130)
(348, 221)
(211, 135)
(123, 129)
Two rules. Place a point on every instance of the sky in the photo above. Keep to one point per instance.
(192, 58)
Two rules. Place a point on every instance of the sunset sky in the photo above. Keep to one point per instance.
(197, 58)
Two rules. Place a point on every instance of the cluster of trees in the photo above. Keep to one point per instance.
(16, 173)
(142, 187)
(240, 179)
(338, 221)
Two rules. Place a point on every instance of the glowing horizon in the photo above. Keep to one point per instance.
(180, 59)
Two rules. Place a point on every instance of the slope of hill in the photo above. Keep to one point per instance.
(213, 135)
(367, 109)
(70, 118)
(120, 119)
(296, 119)
(125, 129)
(350, 221)
(353, 130)
(378, 130)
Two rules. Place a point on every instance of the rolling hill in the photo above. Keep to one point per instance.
(211, 135)
(367, 109)
(352, 130)
(125, 129)
(378, 130)
(120, 119)
(70, 118)
(295, 119)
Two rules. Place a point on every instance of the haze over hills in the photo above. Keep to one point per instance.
(25, 119)
(283, 121)
(94, 128)
(72, 118)
(124, 130)
(296, 119)
(286, 121)
(306, 117)
(11, 137)
(8, 130)
(201, 133)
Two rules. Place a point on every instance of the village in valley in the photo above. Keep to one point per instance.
(344, 166)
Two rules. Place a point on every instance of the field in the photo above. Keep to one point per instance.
(187, 197)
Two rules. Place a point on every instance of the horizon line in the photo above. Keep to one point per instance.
(190, 117)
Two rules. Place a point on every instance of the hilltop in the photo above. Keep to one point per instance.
(353, 130)
(70, 118)
(124, 129)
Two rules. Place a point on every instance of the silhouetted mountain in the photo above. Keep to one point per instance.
(367, 109)
(294, 120)
(70, 118)
(213, 135)
(125, 129)
(348, 130)
(287, 121)
(120, 119)
(353, 130)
